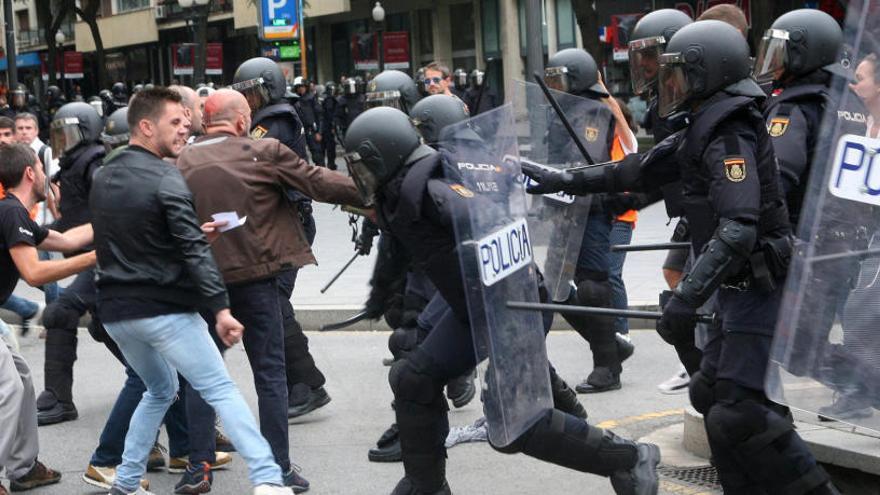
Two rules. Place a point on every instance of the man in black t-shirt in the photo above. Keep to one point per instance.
(21, 175)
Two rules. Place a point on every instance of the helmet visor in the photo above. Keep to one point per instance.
(64, 135)
(254, 91)
(98, 106)
(557, 78)
(19, 99)
(384, 99)
(673, 86)
(644, 62)
(363, 178)
(771, 56)
(115, 140)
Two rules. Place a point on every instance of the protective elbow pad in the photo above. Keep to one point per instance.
(724, 255)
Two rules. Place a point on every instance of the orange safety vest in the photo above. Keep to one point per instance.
(617, 154)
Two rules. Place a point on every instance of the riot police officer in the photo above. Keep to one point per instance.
(351, 104)
(479, 97)
(312, 118)
(75, 138)
(798, 55)
(574, 71)
(740, 227)
(261, 81)
(116, 132)
(119, 96)
(328, 123)
(415, 207)
(459, 83)
(392, 88)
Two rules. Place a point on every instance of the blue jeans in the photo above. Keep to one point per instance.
(621, 233)
(256, 305)
(112, 440)
(594, 257)
(157, 349)
(24, 308)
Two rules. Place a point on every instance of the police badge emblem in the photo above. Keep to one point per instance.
(735, 169)
(462, 191)
(778, 126)
(258, 132)
(591, 134)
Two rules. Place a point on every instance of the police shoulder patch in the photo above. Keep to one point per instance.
(735, 169)
(778, 126)
(259, 132)
(461, 190)
(591, 134)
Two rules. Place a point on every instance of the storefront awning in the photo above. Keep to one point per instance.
(29, 59)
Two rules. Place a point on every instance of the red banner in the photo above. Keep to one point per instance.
(395, 45)
(364, 51)
(214, 59)
(73, 65)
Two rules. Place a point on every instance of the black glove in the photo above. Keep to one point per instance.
(364, 242)
(548, 181)
(620, 203)
(678, 321)
(377, 302)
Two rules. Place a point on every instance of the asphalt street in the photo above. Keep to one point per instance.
(331, 444)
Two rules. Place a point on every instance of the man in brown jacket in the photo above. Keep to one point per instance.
(227, 171)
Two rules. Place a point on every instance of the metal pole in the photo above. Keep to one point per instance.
(534, 63)
(303, 57)
(589, 310)
(11, 67)
(381, 49)
(662, 246)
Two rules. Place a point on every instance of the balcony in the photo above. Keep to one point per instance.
(171, 11)
(30, 38)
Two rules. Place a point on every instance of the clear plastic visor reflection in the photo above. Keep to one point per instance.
(383, 99)
(672, 85)
(254, 92)
(363, 179)
(644, 64)
(556, 78)
(770, 59)
(64, 135)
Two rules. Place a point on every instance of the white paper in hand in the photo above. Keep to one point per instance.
(231, 219)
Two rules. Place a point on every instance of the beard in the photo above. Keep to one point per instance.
(39, 192)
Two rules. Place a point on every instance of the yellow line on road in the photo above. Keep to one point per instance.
(615, 423)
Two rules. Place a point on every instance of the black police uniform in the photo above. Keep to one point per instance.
(280, 121)
(349, 107)
(328, 130)
(479, 100)
(417, 208)
(61, 317)
(312, 120)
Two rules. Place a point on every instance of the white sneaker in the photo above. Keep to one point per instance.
(272, 490)
(476, 432)
(678, 384)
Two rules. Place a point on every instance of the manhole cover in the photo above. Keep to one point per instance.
(705, 476)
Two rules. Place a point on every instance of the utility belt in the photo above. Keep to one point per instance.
(767, 266)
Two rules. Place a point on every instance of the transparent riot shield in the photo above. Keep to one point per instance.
(558, 220)
(497, 265)
(826, 352)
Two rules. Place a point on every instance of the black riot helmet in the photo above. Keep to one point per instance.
(360, 85)
(460, 78)
(798, 43)
(330, 89)
(702, 59)
(420, 82)
(72, 125)
(53, 93)
(18, 101)
(574, 71)
(433, 113)
(478, 78)
(349, 87)
(116, 132)
(380, 142)
(261, 81)
(118, 91)
(392, 88)
(648, 41)
(137, 89)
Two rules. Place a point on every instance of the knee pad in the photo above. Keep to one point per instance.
(411, 380)
(59, 316)
(702, 392)
(402, 341)
(594, 293)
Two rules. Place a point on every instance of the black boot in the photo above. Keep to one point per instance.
(406, 487)
(388, 447)
(51, 411)
(55, 404)
(606, 371)
(461, 390)
(642, 478)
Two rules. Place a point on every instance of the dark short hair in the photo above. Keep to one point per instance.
(439, 67)
(7, 123)
(149, 104)
(14, 158)
(728, 13)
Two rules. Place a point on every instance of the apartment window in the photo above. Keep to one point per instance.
(491, 33)
(128, 5)
(565, 25)
(426, 32)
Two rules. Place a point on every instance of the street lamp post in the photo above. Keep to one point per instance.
(379, 18)
(59, 42)
(198, 26)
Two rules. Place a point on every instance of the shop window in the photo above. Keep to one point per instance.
(462, 29)
(491, 30)
(129, 5)
(565, 25)
(426, 32)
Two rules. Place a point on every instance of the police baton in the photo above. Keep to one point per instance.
(344, 323)
(660, 246)
(590, 310)
(562, 117)
(340, 272)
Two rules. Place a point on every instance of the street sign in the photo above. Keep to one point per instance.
(278, 20)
